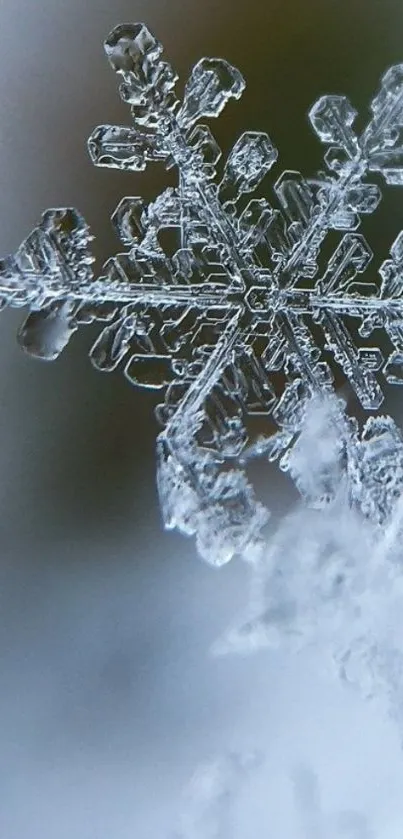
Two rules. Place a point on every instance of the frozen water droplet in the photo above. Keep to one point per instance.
(46, 333)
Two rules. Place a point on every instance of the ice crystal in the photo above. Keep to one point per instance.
(243, 320)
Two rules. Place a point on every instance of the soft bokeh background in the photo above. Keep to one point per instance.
(108, 695)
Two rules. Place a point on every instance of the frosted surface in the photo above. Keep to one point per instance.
(247, 317)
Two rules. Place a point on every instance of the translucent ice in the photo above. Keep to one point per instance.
(244, 316)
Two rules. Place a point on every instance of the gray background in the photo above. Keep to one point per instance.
(108, 696)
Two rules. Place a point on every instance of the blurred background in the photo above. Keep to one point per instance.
(108, 694)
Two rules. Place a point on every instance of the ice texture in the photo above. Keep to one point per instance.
(209, 801)
(220, 799)
(247, 317)
(330, 576)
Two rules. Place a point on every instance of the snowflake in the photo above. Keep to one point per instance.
(239, 321)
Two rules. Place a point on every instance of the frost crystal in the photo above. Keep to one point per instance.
(240, 321)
